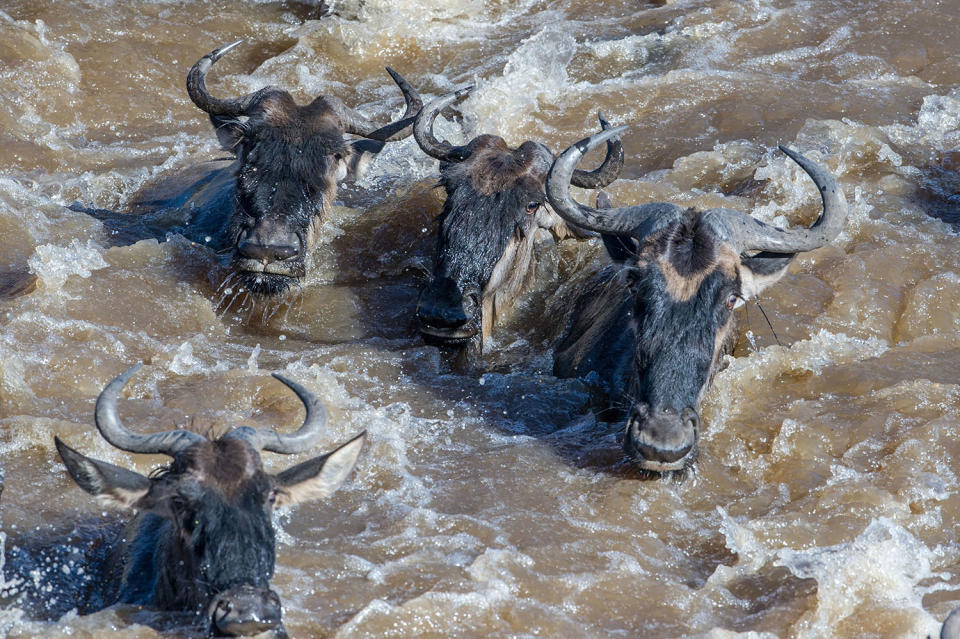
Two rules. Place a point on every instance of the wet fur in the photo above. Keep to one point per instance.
(654, 327)
(485, 237)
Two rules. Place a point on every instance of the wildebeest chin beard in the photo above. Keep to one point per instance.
(636, 468)
(437, 336)
(268, 283)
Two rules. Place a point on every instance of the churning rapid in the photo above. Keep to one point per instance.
(492, 501)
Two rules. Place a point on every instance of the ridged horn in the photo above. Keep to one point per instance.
(355, 123)
(423, 129)
(197, 87)
(749, 234)
(613, 221)
(606, 172)
(305, 438)
(112, 429)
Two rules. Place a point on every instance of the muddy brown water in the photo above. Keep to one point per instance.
(826, 501)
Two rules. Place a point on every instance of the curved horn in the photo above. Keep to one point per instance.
(619, 221)
(749, 234)
(197, 87)
(951, 626)
(606, 172)
(423, 129)
(112, 429)
(357, 124)
(306, 437)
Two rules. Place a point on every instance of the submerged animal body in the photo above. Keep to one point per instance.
(264, 208)
(202, 539)
(655, 325)
(494, 210)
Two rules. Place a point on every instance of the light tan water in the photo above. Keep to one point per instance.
(827, 499)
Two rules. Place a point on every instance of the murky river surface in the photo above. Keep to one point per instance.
(493, 503)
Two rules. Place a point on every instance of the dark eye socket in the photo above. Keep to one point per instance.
(532, 207)
(272, 497)
(732, 301)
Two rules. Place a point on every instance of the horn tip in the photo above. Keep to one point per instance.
(130, 372)
(219, 52)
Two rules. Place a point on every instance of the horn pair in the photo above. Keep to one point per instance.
(743, 231)
(174, 441)
(446, 152)
(352, 121)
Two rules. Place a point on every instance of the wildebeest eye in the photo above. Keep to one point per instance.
(732, 301)
(532, 207)
(272, 497)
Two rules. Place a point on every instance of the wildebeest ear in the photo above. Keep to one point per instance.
(111, 484)
(318, 477)
(761, 270)
(361, 153)
(230, 131)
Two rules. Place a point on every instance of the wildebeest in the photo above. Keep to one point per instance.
(263, 209)
(202, 538)
(655, 325)
(494, 208)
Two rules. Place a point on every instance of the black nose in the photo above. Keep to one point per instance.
(663, 436)
(443, 305)
(244, 610)
(268, 242)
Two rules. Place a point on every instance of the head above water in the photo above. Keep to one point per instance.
(495, 204)
(203, 538)
(683, 274)
(290, 159)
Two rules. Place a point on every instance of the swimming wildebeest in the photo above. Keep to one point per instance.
(263, 210)
(494, 208)
(202, 538)
(655, 325)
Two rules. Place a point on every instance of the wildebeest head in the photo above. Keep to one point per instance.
(203, 539)
(684, 273)
(495, 204)
(290, 159)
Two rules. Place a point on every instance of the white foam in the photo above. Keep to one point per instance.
(54, 264)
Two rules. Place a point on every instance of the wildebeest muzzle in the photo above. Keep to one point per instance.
(243, 611)
(447, 314)
(662, 440)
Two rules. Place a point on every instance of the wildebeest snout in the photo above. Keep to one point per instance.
(446, 312)
(663, 439)
(269, 240)
(245, 610)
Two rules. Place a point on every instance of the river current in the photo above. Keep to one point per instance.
(493, 502)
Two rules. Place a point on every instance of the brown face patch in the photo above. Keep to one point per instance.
(493, 167)
(225, 465)
(686, 254)
(278, 108)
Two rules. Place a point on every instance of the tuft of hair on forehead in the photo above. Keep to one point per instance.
(492, 166)
(316, 120)
(689, 246)
(225, 464)
(687, 252)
